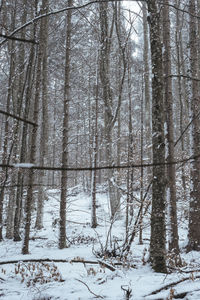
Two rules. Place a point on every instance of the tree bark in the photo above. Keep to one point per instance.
(62, 234)
(157, 242)
(168, 99)
(95, 153)
(194, 211)
(33, 151)
(43, 134)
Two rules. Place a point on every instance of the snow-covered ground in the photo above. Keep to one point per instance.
(77, 280)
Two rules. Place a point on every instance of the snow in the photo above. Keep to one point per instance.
(73, 279)
(23, 165)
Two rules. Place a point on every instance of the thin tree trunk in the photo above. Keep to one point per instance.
(19, 193)
(178, 38)
(43, 134)
(142, 169)
(147, 97)
(194, 211)
(62, 234)
(173, 234)
(95, 154)
(33, 151)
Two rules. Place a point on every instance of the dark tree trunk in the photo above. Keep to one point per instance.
(194, 212)
(157, 242)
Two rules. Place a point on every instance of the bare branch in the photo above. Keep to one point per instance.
(55, 12)
(80, 169)
(183, 76)
(18, 39)
(97, 296)
(172, 284)
(17, 118)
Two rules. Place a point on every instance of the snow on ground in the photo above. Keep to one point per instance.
(73, 281)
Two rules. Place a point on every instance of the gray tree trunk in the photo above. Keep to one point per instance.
(63, 198)
(33, 151)
(43, 134)
(168, 99)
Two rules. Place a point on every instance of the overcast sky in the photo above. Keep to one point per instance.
(133, 5)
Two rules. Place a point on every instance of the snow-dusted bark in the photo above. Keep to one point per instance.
(95, 152)
(62, 234)
(43, 134)
(194, 212)
(106, 35)
(33, 143)
(157, 242)
(168, 99)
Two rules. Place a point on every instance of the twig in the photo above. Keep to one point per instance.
(97, 296)
(18, 39)
(17, 118)
(2, 279)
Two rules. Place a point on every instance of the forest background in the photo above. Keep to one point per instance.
(105, 97)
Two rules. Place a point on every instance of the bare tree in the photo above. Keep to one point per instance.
(62, 234)
(44, 125)
(157, 243)
(194, 212)
(168, 99)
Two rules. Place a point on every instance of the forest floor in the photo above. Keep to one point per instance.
(80, 274)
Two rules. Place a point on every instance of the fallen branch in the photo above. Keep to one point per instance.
(183, 271)
(183, 294)
(97, 296)
(33, 238)
(2, 279)
(91, 262)
(106, 265)
(171, 285)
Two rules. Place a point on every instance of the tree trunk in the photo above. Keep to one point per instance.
(157, 242)
(95, 154)
(178, 39)
(6, 127)
(194, 211)
(33, 151)
(43, 134)
(168, 99)
(23, 151)
(62, 234)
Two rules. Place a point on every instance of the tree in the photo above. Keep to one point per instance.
(157, 242)
(63, 197)
(33, 150)
(168, 101)
(194, 211)
(43, 134)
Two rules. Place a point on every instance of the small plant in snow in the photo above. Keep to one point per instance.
(171, 294)
(32, 273)
(3, 271)
(82, 239)
(144, 260)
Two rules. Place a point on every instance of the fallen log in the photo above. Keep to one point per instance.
(91, 262)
